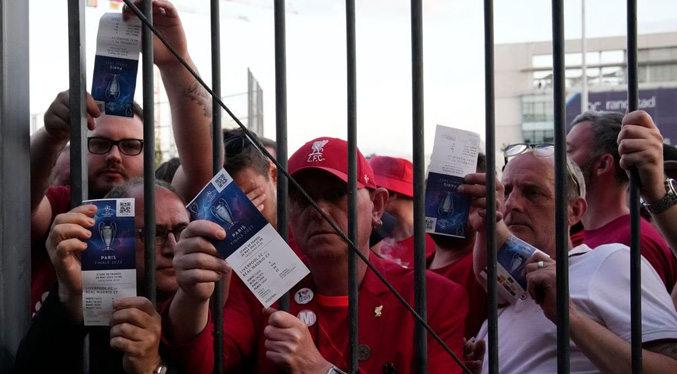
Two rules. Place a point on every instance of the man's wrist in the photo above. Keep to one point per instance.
(160, 367)
(665, 201)
(334, 370)
(651, 195)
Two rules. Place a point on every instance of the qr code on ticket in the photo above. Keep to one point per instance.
(220, 181)
(125, 207)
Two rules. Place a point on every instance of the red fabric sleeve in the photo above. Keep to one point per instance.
(241, 334)
(447, 310)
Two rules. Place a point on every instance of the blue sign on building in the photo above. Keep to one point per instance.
(660, 103)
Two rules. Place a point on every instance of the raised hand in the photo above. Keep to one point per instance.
(135, 331)
(640, 145)
(64, 244)
(166, 20)
(290, 346)
(57, 117)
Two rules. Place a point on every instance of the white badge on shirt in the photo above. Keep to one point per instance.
(307, 316)
(303, 296)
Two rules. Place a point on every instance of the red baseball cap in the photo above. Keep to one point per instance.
(394, 174)
(331, 155)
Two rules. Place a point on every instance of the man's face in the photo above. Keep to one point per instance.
(314, 236)
(170, 214)
(248, 180)
(529, 209)
(108, 170)
(580, 148)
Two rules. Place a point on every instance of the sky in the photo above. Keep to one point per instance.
(316, 57)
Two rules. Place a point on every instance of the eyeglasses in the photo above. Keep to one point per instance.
(101, 146)
(162, 234)
(540, 150)
(234, 144)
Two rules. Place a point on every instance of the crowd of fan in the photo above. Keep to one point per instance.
(177, 334)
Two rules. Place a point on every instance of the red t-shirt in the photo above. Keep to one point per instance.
(462, 273)
(385, 326)
(652, 245)
(43, 275)
(402, 251)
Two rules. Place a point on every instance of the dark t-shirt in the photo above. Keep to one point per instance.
(653, 246)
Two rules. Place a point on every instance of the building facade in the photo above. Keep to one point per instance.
(524, 102)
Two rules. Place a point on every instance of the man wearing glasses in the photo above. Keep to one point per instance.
(115, 145)
(599, 281)
(54, 342)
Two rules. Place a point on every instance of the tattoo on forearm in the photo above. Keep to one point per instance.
(201, 97)
(666, 348)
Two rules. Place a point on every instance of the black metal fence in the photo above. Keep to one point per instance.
(14, 163)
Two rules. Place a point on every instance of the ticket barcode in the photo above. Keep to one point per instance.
(220, 181)
(430, 224)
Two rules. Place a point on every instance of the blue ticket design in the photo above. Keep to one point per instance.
(223, 202)
(454, 156)
(113, 85)
(252, 247)
(116, 64)
(109, 262)
(446, 211)
(510, 272)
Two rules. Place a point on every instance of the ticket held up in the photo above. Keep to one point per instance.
(252, 247)
(510, 273)
(109, 262)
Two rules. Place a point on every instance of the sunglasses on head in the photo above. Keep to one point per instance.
(539, 150)
(234, 144)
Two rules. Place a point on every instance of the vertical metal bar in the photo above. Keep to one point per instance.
(584, 64)
(15, 254)
(217, 164)
(561, 234)
(251, 100)
(420, 334)
(78, 110)
(281, 127)
(78, 118)
(635, 256)
(490, 120)
(352, 185)
(148, 155)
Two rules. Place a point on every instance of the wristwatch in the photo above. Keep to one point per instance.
(666, 201)
(335, 370)
(160, 369)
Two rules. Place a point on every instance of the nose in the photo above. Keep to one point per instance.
(169, 248)
(514, 202)
(314, 214)
(114, 154)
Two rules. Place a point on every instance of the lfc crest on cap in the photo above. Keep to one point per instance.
(317, 155)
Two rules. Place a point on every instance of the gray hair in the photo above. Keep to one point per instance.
(576, 174)
(605, 126)
(124, 189)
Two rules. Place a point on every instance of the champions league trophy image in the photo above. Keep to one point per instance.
(113, 89)
(107, 232)
(223, 212)
(516, 262)
(193, 209)
(446, 207)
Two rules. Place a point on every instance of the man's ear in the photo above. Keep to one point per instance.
(605, 164)
(576, 209)
(379, 197)
(272, 171)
